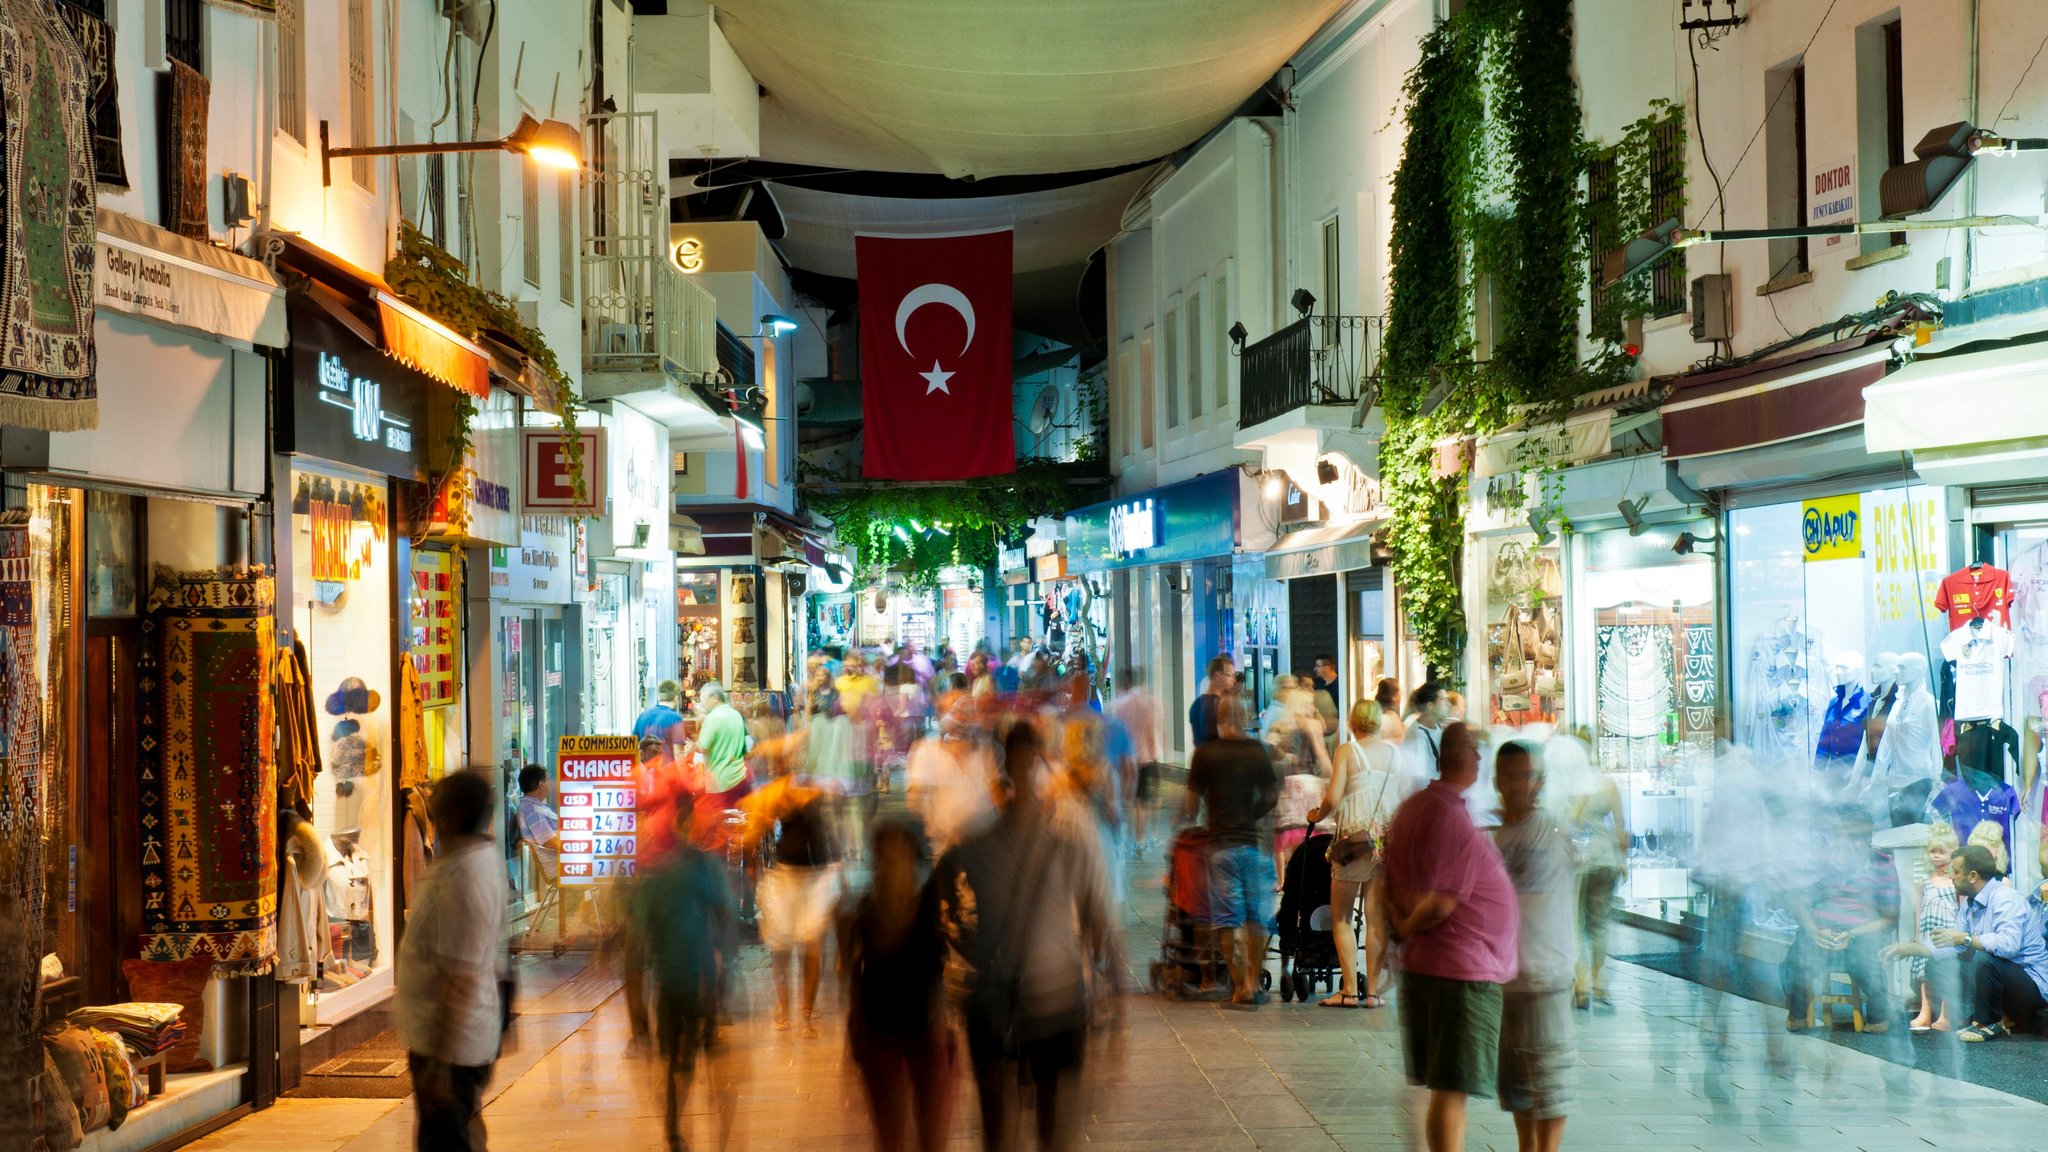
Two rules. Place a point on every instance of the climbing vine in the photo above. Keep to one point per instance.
(436, 283)
(920, 532)
(1488, 194)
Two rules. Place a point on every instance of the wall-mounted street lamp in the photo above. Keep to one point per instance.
(548, 142)
(1638, 254)
(1941, 157)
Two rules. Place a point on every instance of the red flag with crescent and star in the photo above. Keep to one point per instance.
(935, 356)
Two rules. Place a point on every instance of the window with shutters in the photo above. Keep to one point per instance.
(183, 33)
(565, 235)
(362, 107)
(1170, 337)
(291, 69)
(529, 220)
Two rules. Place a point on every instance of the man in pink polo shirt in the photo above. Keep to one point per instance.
(1452, 906)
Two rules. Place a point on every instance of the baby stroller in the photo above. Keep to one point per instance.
(1189, 960)
(1308, 953)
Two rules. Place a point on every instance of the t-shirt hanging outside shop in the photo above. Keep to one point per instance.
(1980, 651)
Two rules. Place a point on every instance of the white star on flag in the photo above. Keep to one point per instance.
(935, 380)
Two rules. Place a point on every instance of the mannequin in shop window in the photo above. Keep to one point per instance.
(1841, 725)
(1782, 665)
(1884, 695)
(1908, 759)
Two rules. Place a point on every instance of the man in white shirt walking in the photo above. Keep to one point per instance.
(1429, 708)
(448, 1008)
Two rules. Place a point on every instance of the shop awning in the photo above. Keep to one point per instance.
(409, 335)
(1967, 418)
(1317, 551)
(1781, 399)
(685, 536)
(147, 271)
(423, 343)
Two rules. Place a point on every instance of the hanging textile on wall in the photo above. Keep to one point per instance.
(411, 741)
(185, 152)
(21, 860)
(103, 116)
(298, 753)
(47, 231)
(207, 769)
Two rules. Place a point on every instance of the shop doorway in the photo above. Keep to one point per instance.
(1311, 621)
(104, 870)
(1365, 649)
(532, 711)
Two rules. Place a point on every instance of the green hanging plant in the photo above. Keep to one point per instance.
(918, 532)
(1489, 191)
(435, 282)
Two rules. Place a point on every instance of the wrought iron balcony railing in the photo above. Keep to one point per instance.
(1315, 360)
(640, 314)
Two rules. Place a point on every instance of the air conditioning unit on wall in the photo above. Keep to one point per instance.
(1712, 305)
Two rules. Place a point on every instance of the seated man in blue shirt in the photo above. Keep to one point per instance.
(1997, 946)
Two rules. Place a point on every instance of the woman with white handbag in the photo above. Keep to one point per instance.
(1366, 787)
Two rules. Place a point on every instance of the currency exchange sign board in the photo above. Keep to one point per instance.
(595, 783)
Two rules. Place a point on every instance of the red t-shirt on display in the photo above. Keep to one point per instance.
(1977, 591)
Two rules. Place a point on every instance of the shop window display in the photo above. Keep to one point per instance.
(1654, 695)
(341, 611)
(1524, 631)
(1837, 623)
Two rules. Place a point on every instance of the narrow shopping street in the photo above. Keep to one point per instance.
(1200, 1077)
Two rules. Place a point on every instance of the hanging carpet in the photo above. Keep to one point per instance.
(103, 116)
(185, 142)
(208, 770)
(21, 868)
(47, 232)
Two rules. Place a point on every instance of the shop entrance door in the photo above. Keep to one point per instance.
(104, 874)
(1311, 621)
(1366, 648)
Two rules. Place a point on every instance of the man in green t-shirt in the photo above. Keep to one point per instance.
(722, 738)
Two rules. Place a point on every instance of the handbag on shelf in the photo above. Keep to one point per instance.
(1512, 675)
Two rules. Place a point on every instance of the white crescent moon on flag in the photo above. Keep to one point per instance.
(944, 294)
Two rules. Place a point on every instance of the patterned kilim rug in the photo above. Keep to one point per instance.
(103, 118)
(185, 175)
(21, 868)
(47, 231)
(209, 770)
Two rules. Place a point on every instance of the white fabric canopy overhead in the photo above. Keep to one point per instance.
(1056, 228)
(979, 88)
(1958, 400)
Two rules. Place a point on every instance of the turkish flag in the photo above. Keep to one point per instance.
(935, 356)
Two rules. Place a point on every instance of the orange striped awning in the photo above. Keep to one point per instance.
(420, 342)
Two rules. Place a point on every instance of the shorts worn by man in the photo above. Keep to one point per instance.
(1453, 907)
(1232, 778)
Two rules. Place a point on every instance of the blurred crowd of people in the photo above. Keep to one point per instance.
(1465, 876)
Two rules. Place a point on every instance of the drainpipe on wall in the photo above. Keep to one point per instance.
(1971, 63)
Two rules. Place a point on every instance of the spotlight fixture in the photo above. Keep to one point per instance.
(1237, 337)
(1687, 544)
(772, 325)
(1632, 513)
(1326, 472)
(1304, 301)
(1276, 486)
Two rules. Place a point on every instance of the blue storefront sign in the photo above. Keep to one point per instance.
(1192, 520)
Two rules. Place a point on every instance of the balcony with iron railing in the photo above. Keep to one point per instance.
(642, 315)
(1317, 361)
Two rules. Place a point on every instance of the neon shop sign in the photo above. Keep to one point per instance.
(1133, 527)
(363, 399)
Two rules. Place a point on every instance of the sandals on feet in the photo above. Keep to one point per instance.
(1339, 1000)
(1978, 1033)
(1372, 1002)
